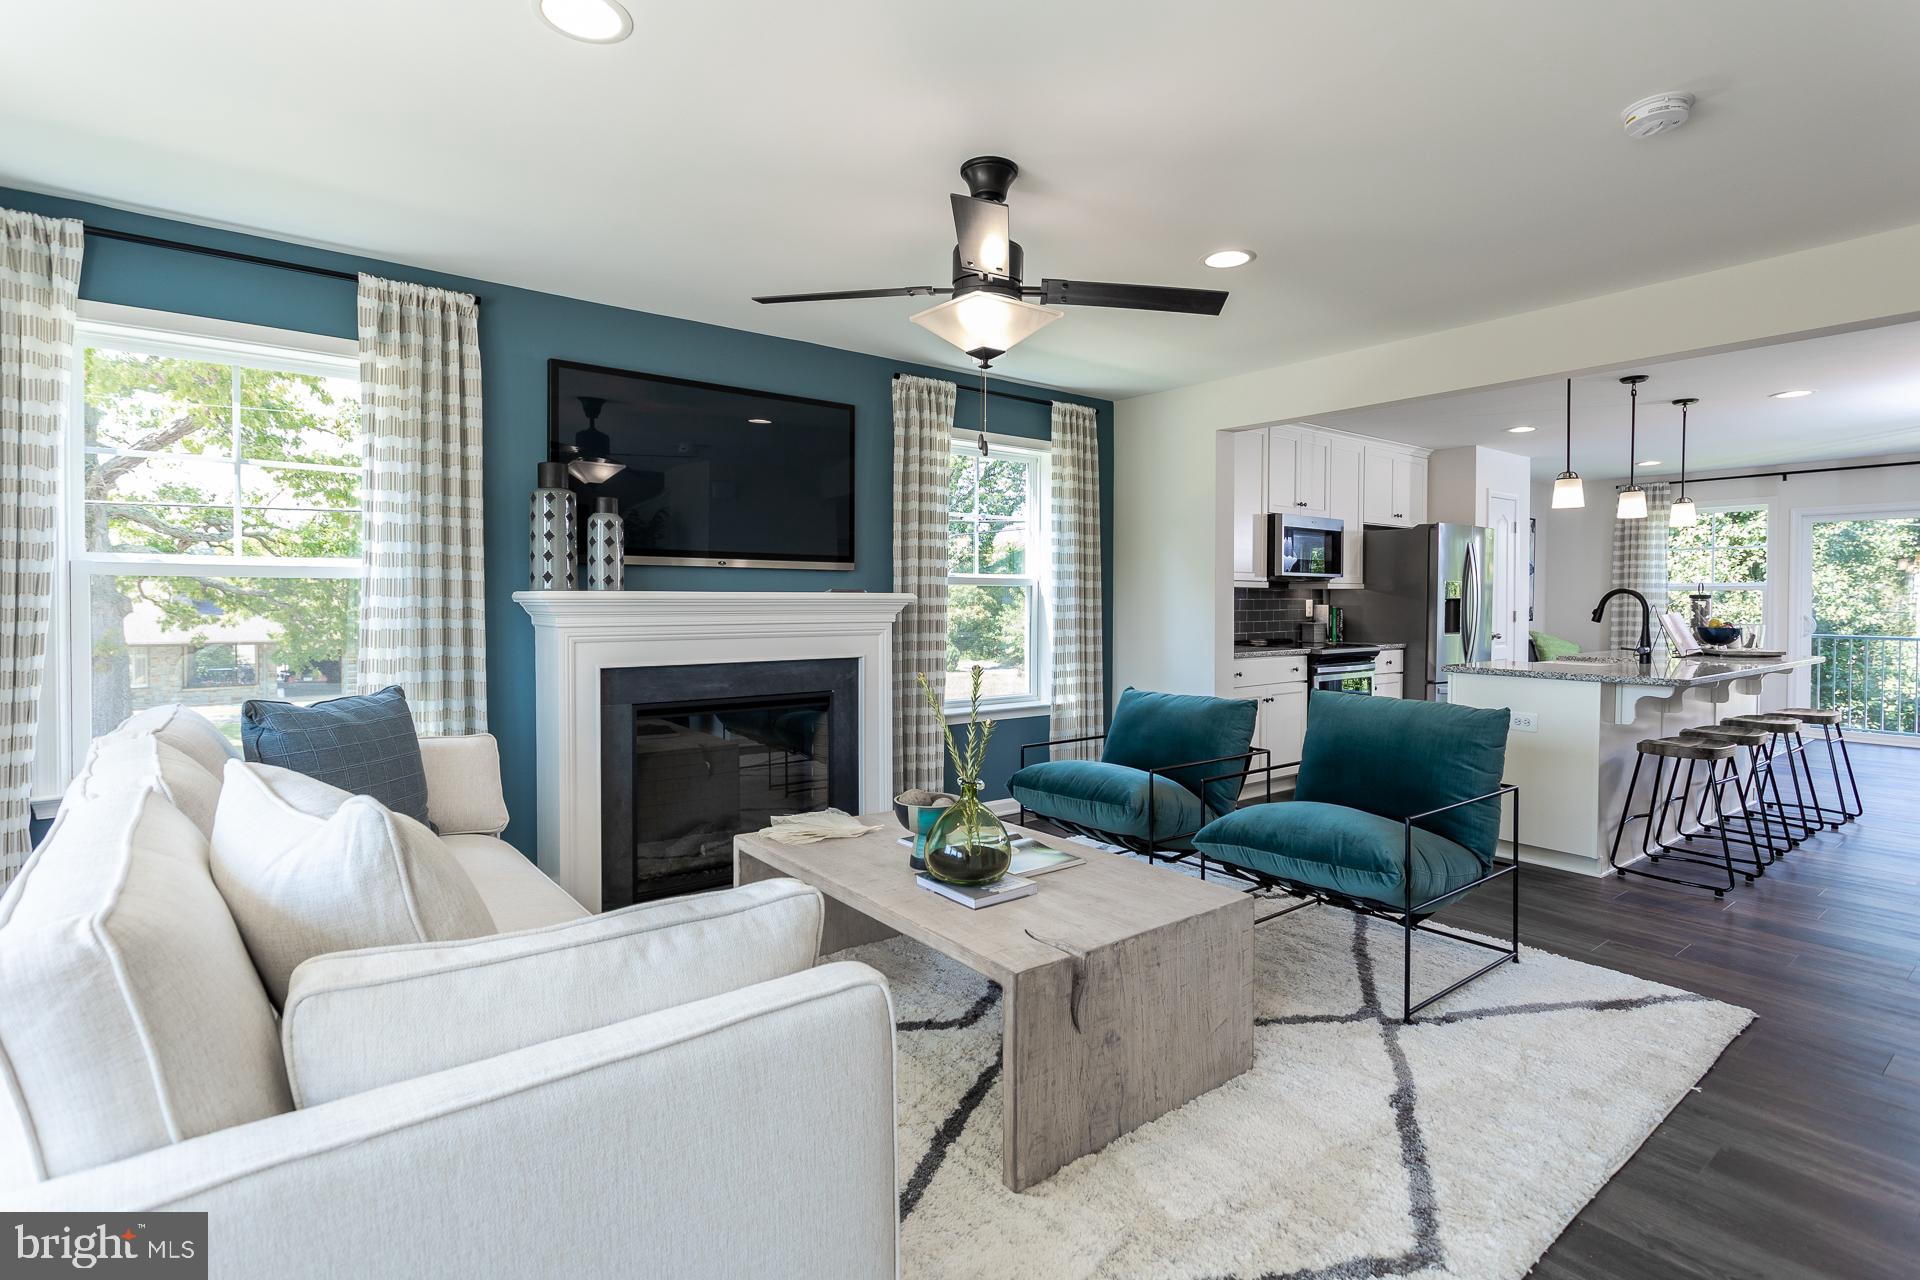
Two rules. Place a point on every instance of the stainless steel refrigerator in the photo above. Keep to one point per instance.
(1431, 588)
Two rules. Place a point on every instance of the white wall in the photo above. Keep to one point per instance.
(1577, 546)
(1173, 625)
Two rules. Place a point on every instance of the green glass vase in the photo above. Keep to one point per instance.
(967, 844)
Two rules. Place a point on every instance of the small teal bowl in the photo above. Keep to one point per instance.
(916, 811)
(1718, 637)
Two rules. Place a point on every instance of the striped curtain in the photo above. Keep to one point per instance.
(39, 286)
(1640, 562)
(1079, 673)
(922, 437)
(422, 586)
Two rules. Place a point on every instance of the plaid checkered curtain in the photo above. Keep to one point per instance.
(39, 286)
(422, 588)
(922, 437)
(1640, 562)
(1079, 673)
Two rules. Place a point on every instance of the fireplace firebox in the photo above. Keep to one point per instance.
(691, 755)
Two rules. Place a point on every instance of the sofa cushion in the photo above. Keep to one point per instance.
(1396, 757)
(1153, 730)
(130, 1015)
(1340, 849)
(307, 869)
(517, 894)
(361, 1019)
(183, 729)
(1107, 797)
(120, 762)
(364, 744)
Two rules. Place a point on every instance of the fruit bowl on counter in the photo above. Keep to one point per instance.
(1716, 634)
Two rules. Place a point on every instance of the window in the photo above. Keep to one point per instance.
(212, 523)
(996, 571)
(1725, 554)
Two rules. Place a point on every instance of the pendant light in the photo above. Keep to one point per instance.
(1683, 512)
(1633, 499)
(1567, 490)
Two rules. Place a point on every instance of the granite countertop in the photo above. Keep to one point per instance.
(1277, 651)
(1670, 673)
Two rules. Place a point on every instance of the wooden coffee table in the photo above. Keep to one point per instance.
(1128, 989)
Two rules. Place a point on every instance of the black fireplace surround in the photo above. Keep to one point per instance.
(690, 755)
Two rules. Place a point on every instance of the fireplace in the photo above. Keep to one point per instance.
(692, 754)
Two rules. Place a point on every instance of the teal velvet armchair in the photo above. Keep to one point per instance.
(1169, 764)
(1395, 813)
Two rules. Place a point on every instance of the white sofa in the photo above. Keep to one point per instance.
(672, 1090)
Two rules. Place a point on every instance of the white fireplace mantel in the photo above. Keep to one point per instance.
(579, 634)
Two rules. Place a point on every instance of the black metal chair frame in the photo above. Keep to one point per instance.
(1654, 846)
(1411, 916)
(1149, 847)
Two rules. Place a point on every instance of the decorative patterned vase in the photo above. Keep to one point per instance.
(554, 524)
(606, 547)
(968, 844)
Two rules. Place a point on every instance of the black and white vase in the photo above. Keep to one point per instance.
(606, 547)
(553, 525)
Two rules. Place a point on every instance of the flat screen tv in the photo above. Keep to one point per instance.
(710, 475)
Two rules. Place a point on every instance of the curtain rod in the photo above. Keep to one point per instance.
(231, 255)
(1800, 471)
(1004, 395)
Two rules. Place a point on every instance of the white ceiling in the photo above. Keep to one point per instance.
(1398, 170)
(1866, 402)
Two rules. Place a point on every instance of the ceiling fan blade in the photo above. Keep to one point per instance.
(1132, 297)
(983, 235)
(906, 291)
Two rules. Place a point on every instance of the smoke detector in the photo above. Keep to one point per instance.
(1658, 114)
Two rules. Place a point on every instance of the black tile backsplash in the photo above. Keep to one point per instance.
(1273, 613)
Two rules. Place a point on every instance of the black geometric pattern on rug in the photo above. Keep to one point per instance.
(1422, 1209)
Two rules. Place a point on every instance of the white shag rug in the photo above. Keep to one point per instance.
(1356, 1147)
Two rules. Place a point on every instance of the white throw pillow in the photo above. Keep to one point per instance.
(128, 762)
(130, 1016)
(183, 729)
(308, 869)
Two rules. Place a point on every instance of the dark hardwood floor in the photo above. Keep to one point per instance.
(1799, 1154)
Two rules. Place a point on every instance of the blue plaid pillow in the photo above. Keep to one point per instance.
(364, 744)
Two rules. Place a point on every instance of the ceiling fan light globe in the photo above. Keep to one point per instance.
(594, 470)
(1568, 493)
(1632, 504)
(1683, 514)
(971, 321)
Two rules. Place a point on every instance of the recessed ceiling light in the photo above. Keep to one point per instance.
(1518, 431)
(760, 422)
(1789, 395)
(594, 21)
(1649, 462)
(1229, 258)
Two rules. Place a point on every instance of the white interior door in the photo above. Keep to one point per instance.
(1503, 515)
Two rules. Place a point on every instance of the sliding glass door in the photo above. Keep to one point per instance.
(1859, 585)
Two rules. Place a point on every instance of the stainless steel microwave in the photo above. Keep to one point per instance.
(1304, 547)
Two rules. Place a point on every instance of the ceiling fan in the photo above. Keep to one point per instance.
(990, 309)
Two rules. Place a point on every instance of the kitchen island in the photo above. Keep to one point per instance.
(1575, 723)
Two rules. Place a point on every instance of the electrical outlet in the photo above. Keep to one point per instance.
(1525, 722)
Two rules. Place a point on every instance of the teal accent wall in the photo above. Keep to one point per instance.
(520, 329)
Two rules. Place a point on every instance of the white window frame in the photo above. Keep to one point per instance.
(66, 689)
(1764, 587)
(1038, 700)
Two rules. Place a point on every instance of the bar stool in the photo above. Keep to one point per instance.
(1836, 736)
(1766, 849)
(1786, 744)
(1718, 757)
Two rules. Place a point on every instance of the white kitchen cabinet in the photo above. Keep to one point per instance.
(1281, 727)
(1346, 465)
(1297, 471)
(1250, 508)
(1396, 488)
(1388, 686)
